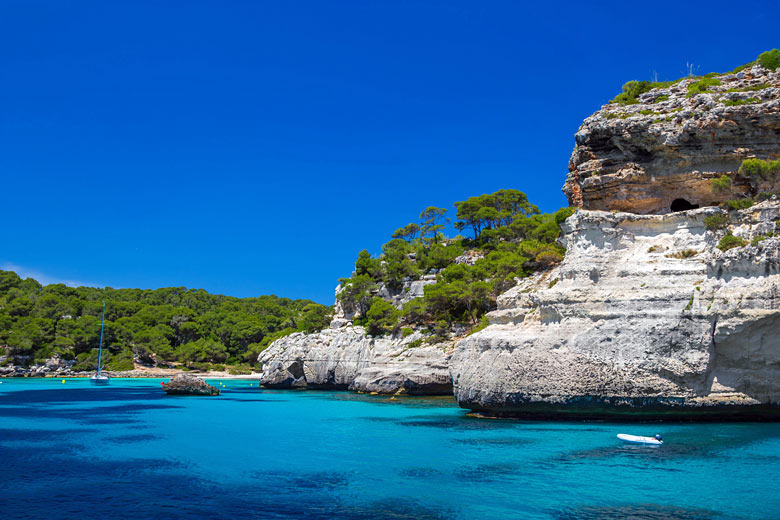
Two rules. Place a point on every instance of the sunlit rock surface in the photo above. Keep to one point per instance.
(347, 358)
(641, 158)
(185, 384)
(645, 314)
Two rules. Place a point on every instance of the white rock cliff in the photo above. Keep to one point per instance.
(645, 314)
(346, 358)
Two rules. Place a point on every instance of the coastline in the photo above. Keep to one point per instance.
(138, 373)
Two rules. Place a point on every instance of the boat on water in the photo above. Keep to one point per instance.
(99, 378)
(636, 439)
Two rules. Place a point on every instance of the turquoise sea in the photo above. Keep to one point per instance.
(129, 451)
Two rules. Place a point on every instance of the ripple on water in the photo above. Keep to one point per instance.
(457, 423)
(488, 472)
(634, 512)
(420, 472)
(132, 438)
(493, 442)
(407, 401)
(657, 453)
(49, 396)
(39, 435)
(293, 482)
(89, 415)
(397, 508)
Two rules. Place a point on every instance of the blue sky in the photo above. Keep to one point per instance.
(255, 147)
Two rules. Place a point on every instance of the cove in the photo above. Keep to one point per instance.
(127, 450)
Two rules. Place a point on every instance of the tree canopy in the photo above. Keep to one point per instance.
(511, 239)
(162, 326)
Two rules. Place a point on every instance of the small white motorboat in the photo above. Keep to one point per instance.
(636, 439)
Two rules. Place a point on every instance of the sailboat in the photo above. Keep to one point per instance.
(98, 378)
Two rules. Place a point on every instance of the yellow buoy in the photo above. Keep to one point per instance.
(63, 381)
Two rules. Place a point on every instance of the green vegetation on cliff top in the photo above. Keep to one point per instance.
(633, 89)
(510, 239)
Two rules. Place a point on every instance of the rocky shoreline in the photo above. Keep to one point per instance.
(659, 310)
(346, 358)
(36, 371)
(646, 315)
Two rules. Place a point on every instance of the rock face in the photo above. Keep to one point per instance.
(344, 314)
(645, 311)
(641, 158)
(347, 358)
(53, 367)
(185, 384)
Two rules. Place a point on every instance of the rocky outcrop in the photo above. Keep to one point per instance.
(53, 367)
(344, 313)
(185, 384)
(645, 314)
(347, 358)
(643, 157)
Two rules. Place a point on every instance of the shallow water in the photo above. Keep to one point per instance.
(128, 450)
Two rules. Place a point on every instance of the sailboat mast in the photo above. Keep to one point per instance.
(100, 348)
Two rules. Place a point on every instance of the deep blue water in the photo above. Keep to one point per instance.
(127, 450)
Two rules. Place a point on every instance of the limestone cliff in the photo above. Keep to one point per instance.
(347, 358)
(650, 312)
(645, 311)
(643, 157)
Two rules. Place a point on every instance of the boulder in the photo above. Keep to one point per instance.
(186, 384)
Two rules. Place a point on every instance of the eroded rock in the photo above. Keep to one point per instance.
(645, 314)
(186, 384)
(664, 150)
(348, 359)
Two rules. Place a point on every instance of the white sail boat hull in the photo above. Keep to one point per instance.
(101, 379)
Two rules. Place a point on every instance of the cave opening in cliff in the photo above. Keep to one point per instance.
(682, 205)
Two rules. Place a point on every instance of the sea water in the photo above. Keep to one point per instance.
(129, 451)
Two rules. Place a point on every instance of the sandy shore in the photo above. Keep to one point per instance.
(163, 373)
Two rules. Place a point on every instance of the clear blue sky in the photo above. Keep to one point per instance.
(255, 147)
